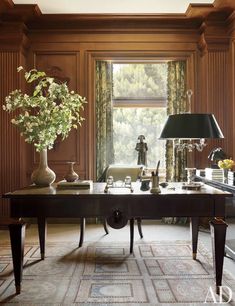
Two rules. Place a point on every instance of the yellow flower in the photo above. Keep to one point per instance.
(226, 164)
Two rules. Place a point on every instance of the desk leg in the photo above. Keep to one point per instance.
(218, 234)
(42, 229)
(194, 224)
(132, 223)
(17, 236)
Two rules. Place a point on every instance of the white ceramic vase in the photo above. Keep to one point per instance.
(43, 175)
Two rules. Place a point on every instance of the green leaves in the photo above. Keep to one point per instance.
(52, 110)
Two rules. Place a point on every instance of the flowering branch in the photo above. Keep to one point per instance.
(52, 110)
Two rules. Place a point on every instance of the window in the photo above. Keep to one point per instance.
(139, 108)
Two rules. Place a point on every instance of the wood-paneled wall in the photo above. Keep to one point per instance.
(67, 46)
(11, 158)
(214, 99)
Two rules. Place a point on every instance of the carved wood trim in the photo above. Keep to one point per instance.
(191, 19)
(202, 44)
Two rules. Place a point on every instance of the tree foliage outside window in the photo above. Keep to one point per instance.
(139, 81)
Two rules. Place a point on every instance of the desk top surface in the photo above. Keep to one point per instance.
(97, 190)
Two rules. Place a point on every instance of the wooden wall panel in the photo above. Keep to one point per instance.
(217, 102)
(213, 93)
(11, 162)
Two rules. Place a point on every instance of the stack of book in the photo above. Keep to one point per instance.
(231, 178)
(214, 174)
(79, 184)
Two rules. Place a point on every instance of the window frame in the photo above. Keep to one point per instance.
(132, 102)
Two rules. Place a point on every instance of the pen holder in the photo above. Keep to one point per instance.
(155, 184)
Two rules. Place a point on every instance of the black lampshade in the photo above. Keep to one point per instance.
(191, 126)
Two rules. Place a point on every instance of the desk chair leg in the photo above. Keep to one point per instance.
(139, 227)
(105, 226)
(82, 230)
(17, 236)
(131, 234)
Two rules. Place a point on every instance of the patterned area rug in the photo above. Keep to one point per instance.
(106, 274)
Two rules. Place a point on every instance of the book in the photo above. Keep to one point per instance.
(214, 174)
(79, 184)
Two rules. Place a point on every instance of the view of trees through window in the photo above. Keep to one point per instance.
(139, 82)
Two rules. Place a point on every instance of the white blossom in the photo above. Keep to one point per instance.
(19, 68)
(50, 111)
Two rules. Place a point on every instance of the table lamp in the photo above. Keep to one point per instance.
(190, 131)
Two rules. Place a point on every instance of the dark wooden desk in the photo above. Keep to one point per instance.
(46, 202)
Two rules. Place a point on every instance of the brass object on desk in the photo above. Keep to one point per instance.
(155, 181)
(155, 185)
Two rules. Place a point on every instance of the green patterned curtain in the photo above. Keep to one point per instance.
(104, 117)
(176, 94)
(176, 97)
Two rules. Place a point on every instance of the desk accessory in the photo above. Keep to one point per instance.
(79, 184)
(71, 175)
(119, 184)
(145, 184)
(155, 181)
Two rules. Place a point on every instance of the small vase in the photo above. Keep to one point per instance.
(71, 175)
(226, 176)
(43, 175)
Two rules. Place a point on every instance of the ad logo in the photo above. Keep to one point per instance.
(224, 297)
